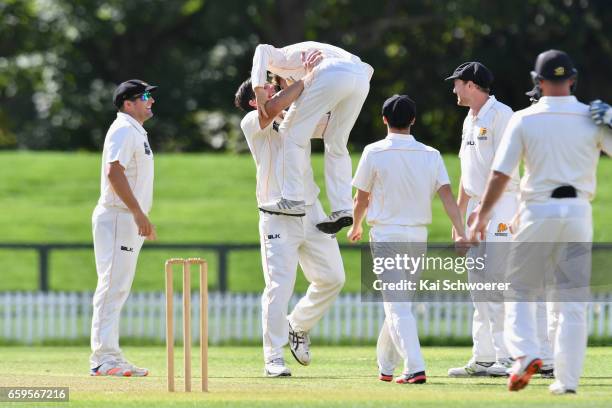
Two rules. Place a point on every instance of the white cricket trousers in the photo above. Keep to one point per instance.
(285, 242)
(116, 246)
(339, 87)
(562, 221)
(399, 337)
(488, 318)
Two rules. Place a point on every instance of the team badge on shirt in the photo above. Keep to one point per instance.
(502, 230)
(147, 149)
(482, 135)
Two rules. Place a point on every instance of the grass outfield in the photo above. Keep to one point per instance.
(338, 377)
(49, 197)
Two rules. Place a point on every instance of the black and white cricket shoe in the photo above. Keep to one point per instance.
(547, 371)
(299, 343)
(336, 221)
(285, 207)
(277, 368)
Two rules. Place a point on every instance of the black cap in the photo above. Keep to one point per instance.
(129, 89)
(473, 71)
(554, 65)
(399, 110)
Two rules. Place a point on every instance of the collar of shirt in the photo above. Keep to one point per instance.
(400, 136)
(556, 100)
(485, 108)
(131, 121)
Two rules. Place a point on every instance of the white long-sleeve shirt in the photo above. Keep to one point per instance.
(287, 62)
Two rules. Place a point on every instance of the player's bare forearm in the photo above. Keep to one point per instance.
(360, 206)
(121, 186)
(463, 199)
(452, 210)
(280, 102)
(495, 188)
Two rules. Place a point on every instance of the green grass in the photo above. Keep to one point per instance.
(49, 197)
(338, 377)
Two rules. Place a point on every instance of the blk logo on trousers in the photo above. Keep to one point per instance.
(273, 236)
(127, 249)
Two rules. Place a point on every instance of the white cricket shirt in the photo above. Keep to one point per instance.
(265, 145)
(560, 145)
(126, 142)
(287, 62)
(402, 177)
(480, 140)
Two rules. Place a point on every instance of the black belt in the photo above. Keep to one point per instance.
(564, 192)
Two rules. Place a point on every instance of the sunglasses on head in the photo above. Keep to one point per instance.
(143, 96)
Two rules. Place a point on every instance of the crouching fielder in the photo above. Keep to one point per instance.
(396, 180)
(287, 241)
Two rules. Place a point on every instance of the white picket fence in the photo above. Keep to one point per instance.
(33, 317)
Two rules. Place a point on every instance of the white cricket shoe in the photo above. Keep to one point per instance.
(336, 221)
(500, 368)
(558, 389)
(111, 368)
(521, 372)
(471, 369)
(299, 344)
(277, 368)
(285, 207)
(136, 371)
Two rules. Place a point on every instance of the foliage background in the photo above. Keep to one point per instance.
(61, 59)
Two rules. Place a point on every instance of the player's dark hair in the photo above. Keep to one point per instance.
(244, 95)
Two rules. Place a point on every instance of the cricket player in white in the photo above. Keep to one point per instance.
(396, 181)
(483, 128)
(340, 85)
(120, 223)
(560, 147)
(287, 241)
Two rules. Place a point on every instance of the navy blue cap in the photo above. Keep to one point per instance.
(473, 71)
(554, 65)
(129, 89)
(399, 110)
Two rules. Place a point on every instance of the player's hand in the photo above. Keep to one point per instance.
(261, 96)
(462, 245)
(145, 228)
(601, 112)
(311, 60)
(153, 235)
(478, 228)
(354, 233)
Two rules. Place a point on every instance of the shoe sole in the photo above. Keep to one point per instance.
(334, 227)
(421, 379)
(518, 382)
(268, 375)
(483, 374)
(297, 359)
(498, 374)
(281, 213)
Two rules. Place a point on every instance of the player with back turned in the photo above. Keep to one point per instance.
(560, 147)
